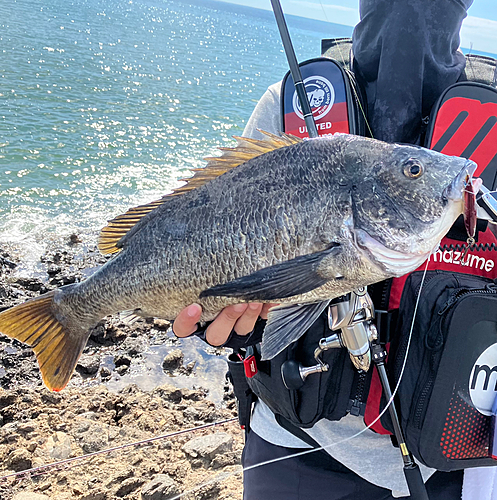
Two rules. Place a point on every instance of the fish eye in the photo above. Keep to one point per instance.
(413, 169)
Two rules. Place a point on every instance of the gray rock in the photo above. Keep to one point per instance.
(89, 364)
(162, 487)
(173, 360)
(209, 446)
(27, 495)
(58, 446)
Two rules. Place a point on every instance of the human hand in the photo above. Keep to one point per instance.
(238, 317)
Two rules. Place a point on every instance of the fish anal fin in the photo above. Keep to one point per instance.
(286, 279)
(57, 348)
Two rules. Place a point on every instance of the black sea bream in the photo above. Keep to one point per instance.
(282, 220)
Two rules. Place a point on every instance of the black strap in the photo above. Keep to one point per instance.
(297, 431)
(243, 394)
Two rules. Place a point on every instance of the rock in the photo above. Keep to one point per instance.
(209, 446)
(33, 284)
(26, 495)
(58, 446)
(169, 393)
(209, 492)
(53, 269)
(105, 373)
(74, 238)
(173, 360)
(161, 324)
(88, 364)
(162, 487)
(19, 460)
(134, 346)
(122, 369)
(121, 360)
(129, 485)
(225, 459)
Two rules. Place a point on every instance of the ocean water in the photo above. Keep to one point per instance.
(107, 104)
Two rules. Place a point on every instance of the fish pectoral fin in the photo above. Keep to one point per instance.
(56, 349)
(286, 324)
(293, 277)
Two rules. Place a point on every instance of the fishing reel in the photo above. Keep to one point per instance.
(352, 317)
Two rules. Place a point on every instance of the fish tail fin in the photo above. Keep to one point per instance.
(56, 346)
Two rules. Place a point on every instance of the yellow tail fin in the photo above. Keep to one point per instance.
(57, 350)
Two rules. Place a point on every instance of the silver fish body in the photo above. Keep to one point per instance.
(300, 224)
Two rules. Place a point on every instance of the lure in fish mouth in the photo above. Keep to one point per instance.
(280, 220)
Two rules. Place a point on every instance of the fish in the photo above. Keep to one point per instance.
(279, 220)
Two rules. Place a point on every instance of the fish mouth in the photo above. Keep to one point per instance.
(454, 191)
(394, 262)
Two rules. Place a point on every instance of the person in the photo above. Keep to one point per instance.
(405, 53)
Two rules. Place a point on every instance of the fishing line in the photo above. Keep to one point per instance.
(321, 448)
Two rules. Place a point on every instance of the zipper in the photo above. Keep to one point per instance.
(427, 388)
(488, 290)
(357, 406)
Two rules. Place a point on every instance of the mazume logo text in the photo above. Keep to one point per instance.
(471, 260)
(483, 381)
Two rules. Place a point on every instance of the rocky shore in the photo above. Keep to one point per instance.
(103, 409)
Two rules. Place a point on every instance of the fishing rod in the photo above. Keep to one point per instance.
(294, 69)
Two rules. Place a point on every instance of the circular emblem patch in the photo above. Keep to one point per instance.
(321, 95)
(483, 381)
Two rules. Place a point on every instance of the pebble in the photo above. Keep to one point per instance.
(121, 360)
(89, 364)
(162, 487)
(58, 446)
(173, 360)
(19, 460)
(209, 446)
(129, 485)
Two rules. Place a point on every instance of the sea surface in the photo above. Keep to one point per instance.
(106, 104)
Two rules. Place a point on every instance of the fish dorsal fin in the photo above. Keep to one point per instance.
(245, 150)
(118, 227)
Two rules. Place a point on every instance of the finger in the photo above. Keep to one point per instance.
(246, 322)
(265, 310)
(220, 329)
(186, 321)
